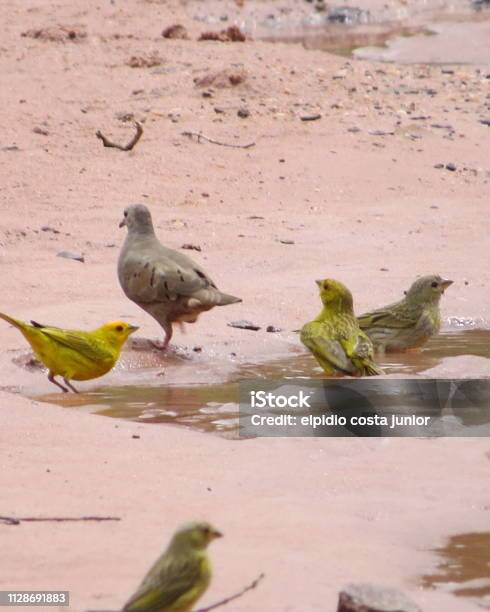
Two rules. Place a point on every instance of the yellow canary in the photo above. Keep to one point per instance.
(335, 338)
(180, 576)
(73, 354)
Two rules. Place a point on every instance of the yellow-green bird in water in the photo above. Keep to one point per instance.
(409, 323)
(73, 354)
(335, 338)
(180, 576)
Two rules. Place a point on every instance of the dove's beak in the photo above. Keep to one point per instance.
(445, 283)
(123, 223)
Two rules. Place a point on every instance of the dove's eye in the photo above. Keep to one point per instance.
(434, 284)
(125, 213)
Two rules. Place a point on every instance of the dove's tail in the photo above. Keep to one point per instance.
(225, 299)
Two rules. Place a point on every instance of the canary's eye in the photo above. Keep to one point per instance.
(434, 284)
(119, 328)
(206, 530)
(325, 285)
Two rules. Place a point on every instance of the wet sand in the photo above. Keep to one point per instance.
(359, 195)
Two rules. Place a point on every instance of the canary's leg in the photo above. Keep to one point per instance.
(162, 346)
(55, 382)
(68, 384)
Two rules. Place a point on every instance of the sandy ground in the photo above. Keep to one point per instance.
(358, 193)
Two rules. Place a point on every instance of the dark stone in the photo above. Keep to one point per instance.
(348, 15)
(310, 117)
(242, 324)
(272, 329)
(70, 255)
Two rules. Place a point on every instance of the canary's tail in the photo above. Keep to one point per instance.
(16, 323)
(371, 369)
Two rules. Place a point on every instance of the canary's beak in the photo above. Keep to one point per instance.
(318, 282)
(446, 283)
(123, 223)
(216, 534)
(133, 328)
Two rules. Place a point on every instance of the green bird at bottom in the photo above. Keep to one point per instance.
(409, 323)
(335, 338)
(180, 576)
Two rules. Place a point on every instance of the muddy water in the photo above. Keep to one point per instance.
(464, 569)
(213, 407)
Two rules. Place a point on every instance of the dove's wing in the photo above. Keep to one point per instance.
(325, 348)
(169, 581)
(148, 278)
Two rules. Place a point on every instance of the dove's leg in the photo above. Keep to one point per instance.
(55, 382)
(162, 346)
(68, 384)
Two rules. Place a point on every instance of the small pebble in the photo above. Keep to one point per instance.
(272, 329)
(70, 255)
(243, 324)
(310, 117)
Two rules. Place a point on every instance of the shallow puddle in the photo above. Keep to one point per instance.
(465, 568)
(213, 407)
(456, 34)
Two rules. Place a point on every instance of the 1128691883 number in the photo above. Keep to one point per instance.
(34, 598)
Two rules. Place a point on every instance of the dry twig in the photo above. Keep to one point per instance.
(131, 144)
(201, 136)
(11, 520)
(227, 600)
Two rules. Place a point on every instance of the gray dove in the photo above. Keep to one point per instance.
(167, 284)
